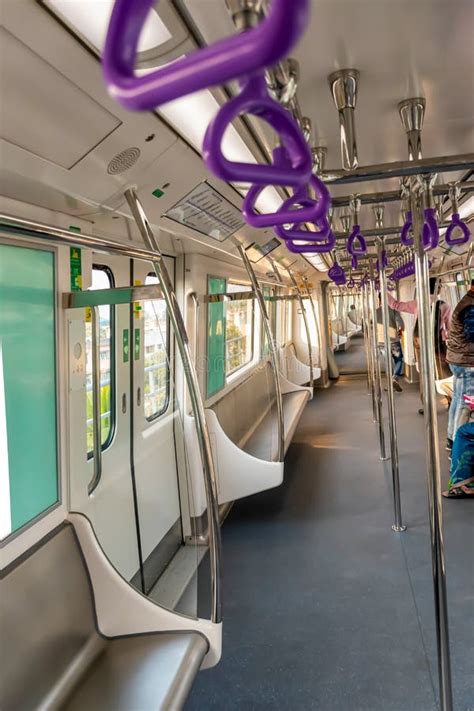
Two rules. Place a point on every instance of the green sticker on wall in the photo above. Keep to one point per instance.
(137, 344)
(76, 268)
(125, 345)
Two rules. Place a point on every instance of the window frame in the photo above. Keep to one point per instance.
(113, 363)
(166, 405)
(229, 375)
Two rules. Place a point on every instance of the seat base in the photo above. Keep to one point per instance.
(148, 671)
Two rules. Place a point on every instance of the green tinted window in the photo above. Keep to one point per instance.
(216, 350)
(28, 437)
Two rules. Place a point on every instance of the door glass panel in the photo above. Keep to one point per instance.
(102, 278)
(156, 347)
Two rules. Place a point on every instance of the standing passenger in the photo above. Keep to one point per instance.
(442, 321)
(395, 328)
(460, 357)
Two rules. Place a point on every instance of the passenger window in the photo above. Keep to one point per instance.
(28, 428)
(102, 278)
(156, 355)
(239, 328)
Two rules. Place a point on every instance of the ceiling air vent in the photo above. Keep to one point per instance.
(123, 161)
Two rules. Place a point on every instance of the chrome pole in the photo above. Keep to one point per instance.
(272, 345)
(377, 368)
(392, 420)
(433, 467)
(316, 324)
(176, 318)
(96, 401)
(370, 354)
(306, 325)
(366, 338)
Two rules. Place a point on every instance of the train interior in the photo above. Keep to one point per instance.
(212, 493)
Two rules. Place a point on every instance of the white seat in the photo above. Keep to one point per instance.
(243, 427)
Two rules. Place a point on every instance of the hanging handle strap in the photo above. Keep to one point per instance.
(311, 247)
(232, 58)
(295, 232)
(356, 245)
(457, 224)
(288, 214)
(405, 237)
(254, 99)
(337, 274)
(430, 233)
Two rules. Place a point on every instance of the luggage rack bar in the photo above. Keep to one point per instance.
(399, 169)
(245, 295)
(112, 297)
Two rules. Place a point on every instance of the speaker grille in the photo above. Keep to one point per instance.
(123, 161)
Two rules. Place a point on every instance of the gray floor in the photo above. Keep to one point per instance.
(324, 606)
(354, 359)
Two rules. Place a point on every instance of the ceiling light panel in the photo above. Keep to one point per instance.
(91, 19)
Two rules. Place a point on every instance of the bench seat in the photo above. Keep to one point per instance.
(243, 428)
(56, 658)
(263, 443)
(151, 671)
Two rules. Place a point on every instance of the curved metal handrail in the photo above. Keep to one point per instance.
(273, 350)
(210, 478)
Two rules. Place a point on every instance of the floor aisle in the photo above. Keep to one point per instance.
(353, 360)
(324, 606)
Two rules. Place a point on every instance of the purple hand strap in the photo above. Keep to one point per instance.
(254, 99)
(405, 234)
(315, 210)
(337, 274)
(457, 223)
(356, 245)
(231, 58)
(297, 233)
(430, 233)
(311, 247)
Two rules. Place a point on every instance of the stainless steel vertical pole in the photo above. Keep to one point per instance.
(316, 324)
(392, 421)
(427, 363)
(96, 401)
(182, 341)
(377, 369)
(370, 327)
(365, 325)
(273, 348)
(306, 326)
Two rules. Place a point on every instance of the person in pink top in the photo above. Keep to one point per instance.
(442, 323)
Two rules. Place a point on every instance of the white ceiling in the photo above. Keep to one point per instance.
(403, 49)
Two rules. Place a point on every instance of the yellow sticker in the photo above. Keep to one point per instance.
(137, 306)
(88, 314)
